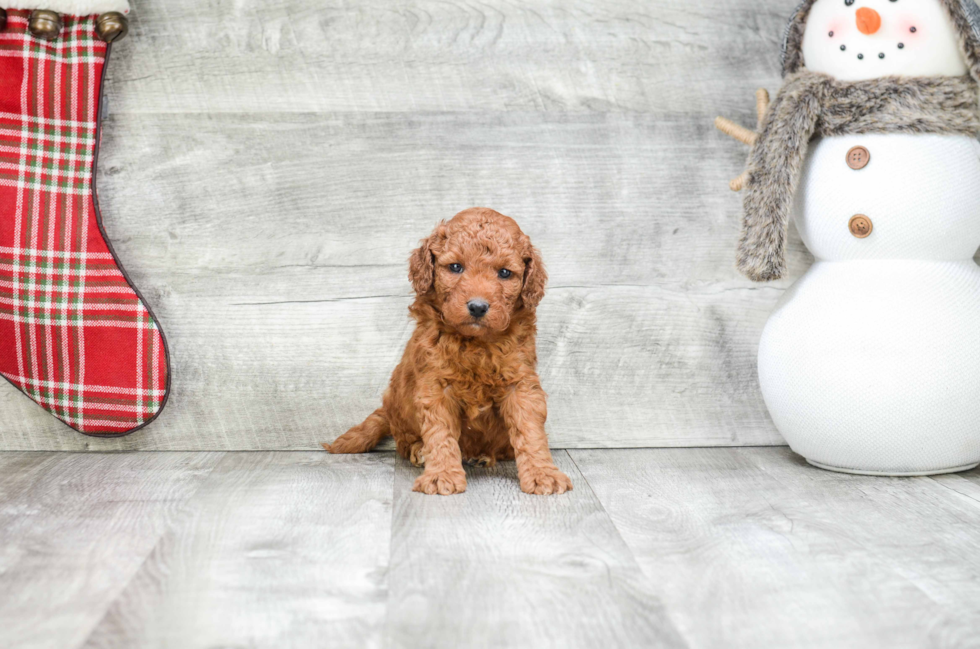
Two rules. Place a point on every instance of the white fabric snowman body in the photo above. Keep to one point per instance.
(870, 363)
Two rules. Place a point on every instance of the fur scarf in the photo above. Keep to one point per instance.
(812, 105)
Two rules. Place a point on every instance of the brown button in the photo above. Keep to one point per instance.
(858, 158)
(860, 226)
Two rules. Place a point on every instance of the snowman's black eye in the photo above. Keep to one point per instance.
(848, 2)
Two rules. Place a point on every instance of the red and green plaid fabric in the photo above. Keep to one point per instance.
(74, 335)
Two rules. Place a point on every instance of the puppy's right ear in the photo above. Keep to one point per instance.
(535, 277)
(422, 267)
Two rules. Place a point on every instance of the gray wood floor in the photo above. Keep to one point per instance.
(726, 548)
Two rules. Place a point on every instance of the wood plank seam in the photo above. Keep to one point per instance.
(188, 509)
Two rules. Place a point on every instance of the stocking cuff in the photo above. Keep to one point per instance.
(71, 7)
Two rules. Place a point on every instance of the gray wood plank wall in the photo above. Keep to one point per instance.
(268, 166)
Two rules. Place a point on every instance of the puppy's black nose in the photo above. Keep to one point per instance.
(478, 308)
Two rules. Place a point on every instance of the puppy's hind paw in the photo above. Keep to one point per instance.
(545, 481)
(445, 483)
(482, 461)
(415, 455)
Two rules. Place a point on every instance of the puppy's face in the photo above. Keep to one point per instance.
(478, 270)
(478, 281)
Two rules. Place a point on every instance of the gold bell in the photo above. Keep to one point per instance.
(3, 19)
(45, 24)
(112, 26)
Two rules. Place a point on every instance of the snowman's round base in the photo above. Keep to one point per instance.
(895, 474)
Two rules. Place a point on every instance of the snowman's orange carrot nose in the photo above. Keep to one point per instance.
(868, 20)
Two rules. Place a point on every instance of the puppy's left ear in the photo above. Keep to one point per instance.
(535, 278)
(422, 263)
(421, 268)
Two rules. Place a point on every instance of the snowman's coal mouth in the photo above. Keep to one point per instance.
(881, 55)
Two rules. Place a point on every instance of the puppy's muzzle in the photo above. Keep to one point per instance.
(478, 308)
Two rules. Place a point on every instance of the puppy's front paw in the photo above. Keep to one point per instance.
(545, 481)
(445, 483)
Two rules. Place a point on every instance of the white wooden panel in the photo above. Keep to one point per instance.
(251, 56)
(274, 250)
(268, 167)
(495, 567)
(277, 550)
(755, 548)
(76, 528)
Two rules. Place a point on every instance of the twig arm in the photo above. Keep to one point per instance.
(761, 104)
(738, 184)
(731, 129)
(744, 135)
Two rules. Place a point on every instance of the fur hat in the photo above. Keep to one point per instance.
(964, 14)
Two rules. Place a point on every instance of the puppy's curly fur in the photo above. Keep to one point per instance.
(467, 386)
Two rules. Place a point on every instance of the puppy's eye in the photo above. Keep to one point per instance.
(455, 268)
(503, 273)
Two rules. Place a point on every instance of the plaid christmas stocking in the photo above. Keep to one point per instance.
(75, 335)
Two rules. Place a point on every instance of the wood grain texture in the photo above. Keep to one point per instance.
(268, 166)
(279, 271)
(494, 567)
(670, 547)
(74, 529)
(754, 548)
(662, 56)
(278, 550)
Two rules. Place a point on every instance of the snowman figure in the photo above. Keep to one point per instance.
(870, 363)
